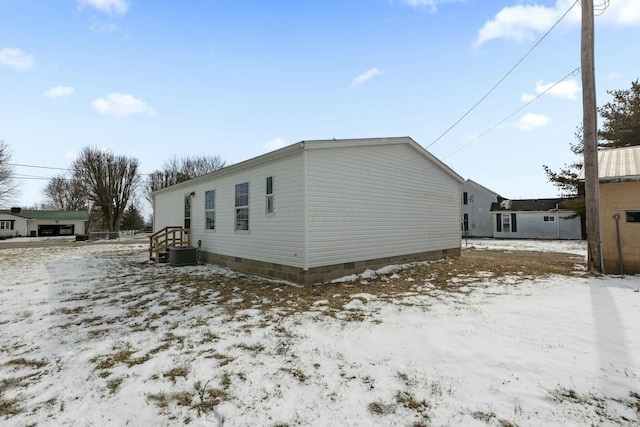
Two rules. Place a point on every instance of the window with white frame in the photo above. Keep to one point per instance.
(549, 218)
(506, 223)
(269, 196)
(210, 210)
(242, 207)
(6, 225)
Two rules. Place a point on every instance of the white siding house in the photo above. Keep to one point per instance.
(317, 210)
(477, 220)
(27, 222)
(535, 219)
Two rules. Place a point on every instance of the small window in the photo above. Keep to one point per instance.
(549, 218)
(506, 223)
(242, 207)
(269, 199)
(633, 216)
(6, 225)
(210, 210)
(465, 198)
(187, 210)
(465, 222)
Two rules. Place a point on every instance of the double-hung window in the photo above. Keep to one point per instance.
(242, 207)
(210, 210)
(6, 225)
(506, 223)
(269, 200)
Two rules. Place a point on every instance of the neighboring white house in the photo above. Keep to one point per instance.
(477, 220)
(534, 219)
(317, 210)
(27, 222)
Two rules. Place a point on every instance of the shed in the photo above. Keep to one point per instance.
(31, 222)
(619, 177)
(535, 219)
(317, 210)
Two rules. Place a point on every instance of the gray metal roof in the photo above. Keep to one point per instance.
(618, 164)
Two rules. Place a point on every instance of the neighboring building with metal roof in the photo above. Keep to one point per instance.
(534, 219)
(619, 176)
(30, 222)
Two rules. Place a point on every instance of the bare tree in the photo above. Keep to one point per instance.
(175, 171)
(66, 194)
(110, 180)
(8, 187)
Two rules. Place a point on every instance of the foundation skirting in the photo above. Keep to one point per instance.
(318, 274)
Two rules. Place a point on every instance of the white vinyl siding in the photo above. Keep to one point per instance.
(532, 225)
(335, 204)
(378, 201)
(478, 208)
(278, 239)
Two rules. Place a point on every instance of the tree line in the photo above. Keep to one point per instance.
(101, 181)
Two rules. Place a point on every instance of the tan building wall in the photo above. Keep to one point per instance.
(620, 197)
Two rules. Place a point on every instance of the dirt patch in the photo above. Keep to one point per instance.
(458, 275)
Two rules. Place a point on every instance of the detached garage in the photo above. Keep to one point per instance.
(32, 223)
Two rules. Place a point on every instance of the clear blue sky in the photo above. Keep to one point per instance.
(157, 79)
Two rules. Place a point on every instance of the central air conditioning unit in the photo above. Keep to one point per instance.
(183, 255)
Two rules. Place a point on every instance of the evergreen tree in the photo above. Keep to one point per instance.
(132, 219)
(620, 128)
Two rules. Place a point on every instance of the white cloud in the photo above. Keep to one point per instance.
(121, 105)
(613, 76)
(621, 12)
(525, 21)
(59, 91)
(16, 59)
(71, 155)
(531, 121)
(566, 89)
(274, 144)
(107, 6)
(366, 76)
(432, 4)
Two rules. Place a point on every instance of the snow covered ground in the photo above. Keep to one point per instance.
(97, 335)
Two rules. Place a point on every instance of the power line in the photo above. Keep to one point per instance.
(504, 77)
(512, 114)
(38, 167)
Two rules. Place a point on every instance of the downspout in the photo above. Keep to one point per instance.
(616, 217)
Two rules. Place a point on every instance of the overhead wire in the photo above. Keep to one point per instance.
(513, 113)
(505, 76)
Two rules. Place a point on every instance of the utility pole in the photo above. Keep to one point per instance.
(589, 122)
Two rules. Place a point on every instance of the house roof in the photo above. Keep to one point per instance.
(49, 215)
(618, 164)
(529, 205)
(317, 145)
(470, 181)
